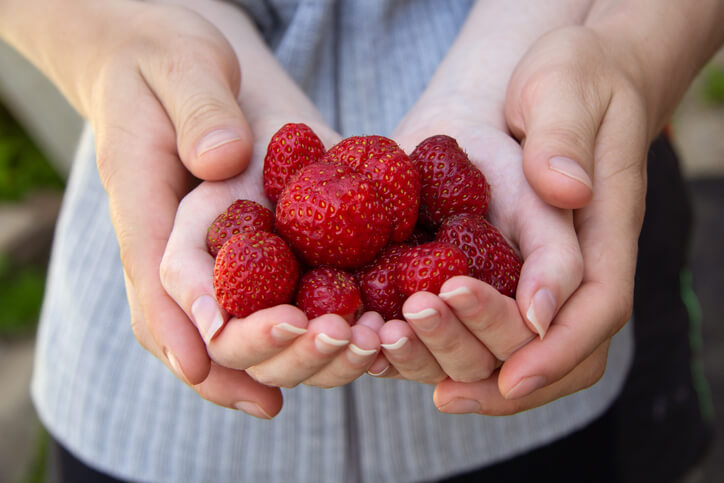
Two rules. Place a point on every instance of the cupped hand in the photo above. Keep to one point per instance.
(598, 119)
(277, 346)
(160, 89)
(468, 328)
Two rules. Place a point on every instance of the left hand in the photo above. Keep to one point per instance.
(604, 111)
(463, 332)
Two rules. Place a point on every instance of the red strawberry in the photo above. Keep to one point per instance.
(241, 215)
(426, 267)
(290, 149)
(329, 290)
(378, 283)
(394, 177)
(331, 215)
(489, 255)
(450, 182)
(254, 271)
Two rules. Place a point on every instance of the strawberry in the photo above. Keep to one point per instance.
(331, 215)
(427, 266)
(392, 173)
(490, 257)
(329, 290)
(241, 215)
(291, 148)
(254, 271)
(450, 182)
(378, 283)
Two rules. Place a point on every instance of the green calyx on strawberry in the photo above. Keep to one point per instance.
(393, 175)
(331, 215)
(490, 257)
(241, 216)
(329, 290)
(254, 271)
(291, 148)
(451, 184)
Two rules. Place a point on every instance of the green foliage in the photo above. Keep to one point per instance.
(713, 86)
(23, 167)
(36, 468)
(21, 294)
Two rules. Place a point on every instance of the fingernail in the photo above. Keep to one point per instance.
(207, 317)
(426, 319)
(379, 373)
(215, 139)
(541, 311)
(526, 386)
(285, 332)
(175, 366)
(357, 355)
(461, 299)
(570, 168)
(396, 345)
(328, 345)
(252, 409)
(460, 406)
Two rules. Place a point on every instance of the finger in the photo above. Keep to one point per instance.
(553, 264)
(492, 318)
(236, 390)
(552, 267)
(460, 355)
(556, 106)
(198, 89)
(258, 337)
(187, 267)
(351, 362)
(408, 354)
(139, 169)
(484, 397)
(608, 232)
(327, 336)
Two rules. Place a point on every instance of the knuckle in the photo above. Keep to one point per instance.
(197, 110)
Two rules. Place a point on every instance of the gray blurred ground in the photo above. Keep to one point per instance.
(699, 136)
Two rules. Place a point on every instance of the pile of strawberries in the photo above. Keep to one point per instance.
(359, 227)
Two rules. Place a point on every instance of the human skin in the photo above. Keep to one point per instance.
(547, 238)
(598, 94)
(159, 86)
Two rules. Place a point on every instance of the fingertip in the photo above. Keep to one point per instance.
(541, 310)
(560, 182)
(221, 153)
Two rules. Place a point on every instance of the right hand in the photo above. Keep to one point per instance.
(159, 85)
(277, 346)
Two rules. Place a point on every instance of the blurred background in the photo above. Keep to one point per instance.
(38, 132)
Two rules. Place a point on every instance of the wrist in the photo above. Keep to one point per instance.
(660, 47)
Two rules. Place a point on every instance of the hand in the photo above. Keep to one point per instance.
(466, 330)
(168, 91)
(599, 117)
(277, 346)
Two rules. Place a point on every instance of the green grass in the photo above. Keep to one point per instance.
(713, 86)
(23, 168)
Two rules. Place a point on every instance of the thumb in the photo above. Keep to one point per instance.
(198, 90)
(556, 115)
